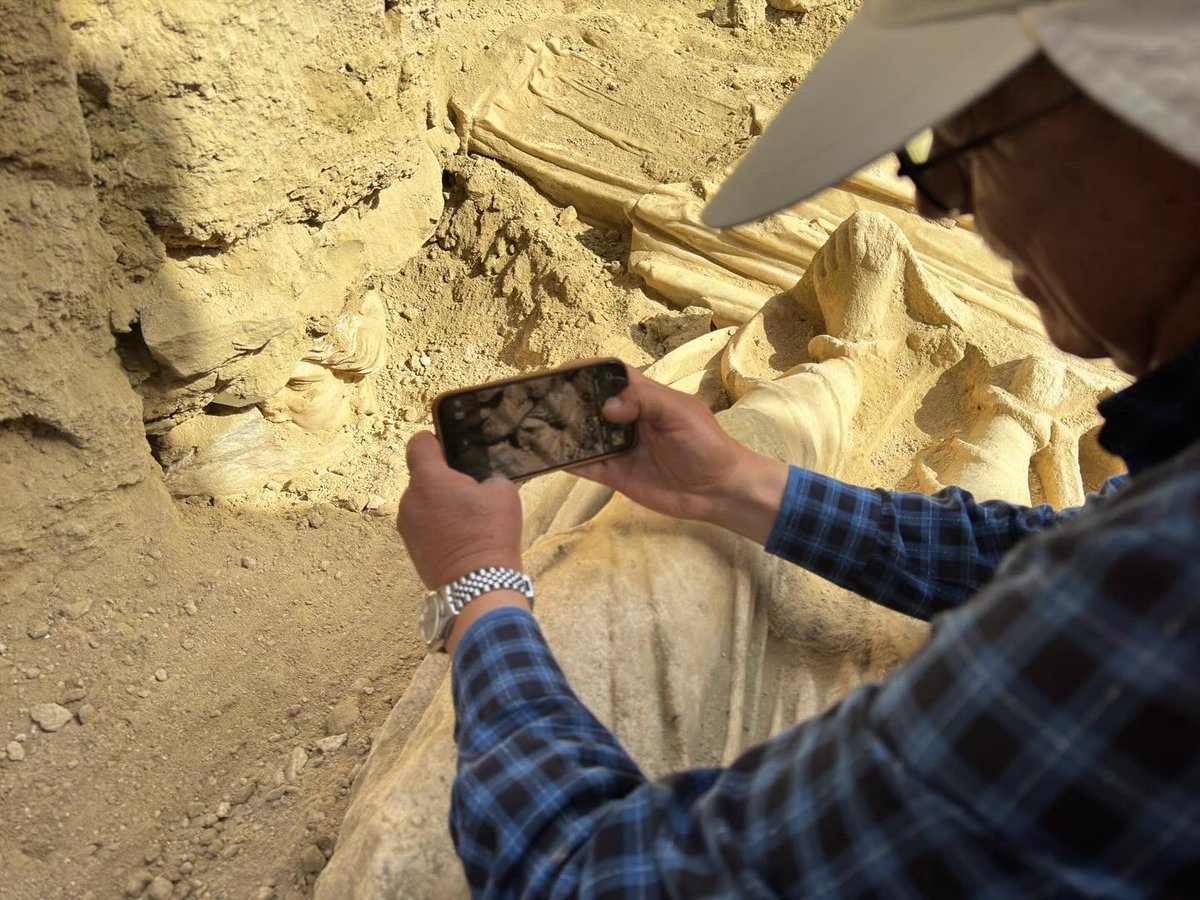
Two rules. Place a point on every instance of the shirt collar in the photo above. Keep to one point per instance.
(1156, 417)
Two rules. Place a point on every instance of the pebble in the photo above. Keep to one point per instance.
(195, 809)
(295, 764)
(331, 743)
(161, 675)
(77, 609)
(341, 717)
(15, 751)
(190, 607)
(50, 716)
(187, 644)
(74, 695)
(312, 860)
(87, 713)
(223, 810)
(249, 562)
(37, 630)
(353, 502)
(160, 889)
(242, 793)
(137, 883)
(409, 312)
(315, 519)
(302, 484)
(388, 509)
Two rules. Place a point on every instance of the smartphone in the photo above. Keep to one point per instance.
(524, 426)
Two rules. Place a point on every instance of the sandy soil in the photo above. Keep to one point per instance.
(202, 672)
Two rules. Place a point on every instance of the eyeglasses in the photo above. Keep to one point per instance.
(915, 161)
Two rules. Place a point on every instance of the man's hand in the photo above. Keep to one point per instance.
(686, 466)
(453, 525)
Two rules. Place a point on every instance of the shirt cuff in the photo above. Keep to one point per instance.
(802, 484)
(500, 665)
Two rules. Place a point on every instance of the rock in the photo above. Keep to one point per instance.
(136, 883)
(249, 562)
(15, 751)
(223, 810)
(303, 485)
(341, 717)
(353, 502)
(50, 716)
(740, 13)
(37, 630)
(188, 644)
(331, 743)
(295, 764)
(87, 713)
(389, 509)
(800, 6)
(760, 117)
(161, 675)
(74, 695)
(77, 609)
(160, 889)
(195, 809)
(315, 519)
(312, 860)
(242, 793)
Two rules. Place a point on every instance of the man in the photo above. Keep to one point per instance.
(1045, 742)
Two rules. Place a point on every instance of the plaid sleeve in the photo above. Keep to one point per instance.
(914, 553)
(1042, 744)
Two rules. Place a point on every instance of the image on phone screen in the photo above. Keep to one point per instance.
(520, 428)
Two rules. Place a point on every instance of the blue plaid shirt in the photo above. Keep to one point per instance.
(1043, 744)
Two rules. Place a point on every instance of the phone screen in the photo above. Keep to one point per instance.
(530, 425)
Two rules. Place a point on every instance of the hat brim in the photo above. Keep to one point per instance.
(875, 88)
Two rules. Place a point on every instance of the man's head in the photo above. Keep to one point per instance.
(1089, 183)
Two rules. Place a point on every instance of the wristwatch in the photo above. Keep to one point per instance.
(442, 606)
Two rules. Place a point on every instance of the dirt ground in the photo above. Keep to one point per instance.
(222, 682)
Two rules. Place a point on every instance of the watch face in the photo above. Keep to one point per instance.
(431, 619)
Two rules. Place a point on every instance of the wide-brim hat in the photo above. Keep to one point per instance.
(902, 65)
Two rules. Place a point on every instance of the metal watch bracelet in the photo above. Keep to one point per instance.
(482, 581)
(442, 606)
